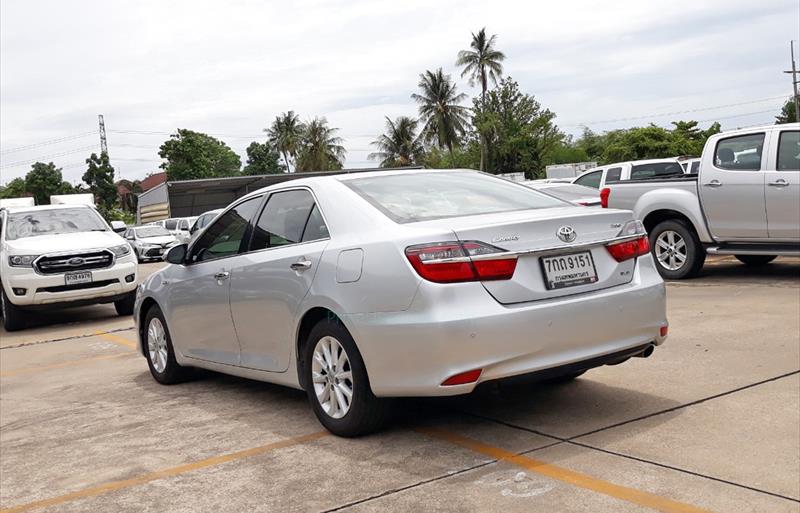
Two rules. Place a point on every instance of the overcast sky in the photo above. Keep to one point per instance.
(228, 68)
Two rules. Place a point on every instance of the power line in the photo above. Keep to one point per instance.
(689, 111)
(46, 143)
(45, 157)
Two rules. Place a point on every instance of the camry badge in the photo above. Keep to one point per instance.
(506, 238)
(567, 234)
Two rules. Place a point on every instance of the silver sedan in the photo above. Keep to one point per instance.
(359, 287)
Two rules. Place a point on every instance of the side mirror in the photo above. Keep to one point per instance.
(118, 226)
(176, 255)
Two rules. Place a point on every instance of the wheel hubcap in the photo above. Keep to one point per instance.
(332, 377)
(157, 344)
(671, 251)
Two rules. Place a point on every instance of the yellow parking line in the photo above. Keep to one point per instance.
(648, 500)
(161, 474)
(70, 363)
(111, 337)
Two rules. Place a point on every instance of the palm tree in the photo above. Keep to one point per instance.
(284, 134)
(320, 149)
(481, 64)
(400, 145)
(439, 109)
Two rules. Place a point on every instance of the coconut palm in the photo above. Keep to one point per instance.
(284, 134)
(319, 149)
(481, 64)
(399, 145)
(440, 109)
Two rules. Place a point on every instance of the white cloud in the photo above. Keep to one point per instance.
(229, 68)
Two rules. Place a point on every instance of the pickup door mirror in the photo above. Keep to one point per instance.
(176, 255)
(118, 226)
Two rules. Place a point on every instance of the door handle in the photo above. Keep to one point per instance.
(301, 265)
(222, 275)
(779, 183)
(713, 183)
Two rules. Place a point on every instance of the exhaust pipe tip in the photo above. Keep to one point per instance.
(647, 351)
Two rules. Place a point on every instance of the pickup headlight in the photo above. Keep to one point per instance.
(22, 260)
(121, 250)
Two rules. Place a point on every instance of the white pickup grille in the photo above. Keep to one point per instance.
(76, 262)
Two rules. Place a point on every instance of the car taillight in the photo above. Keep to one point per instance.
(622, 251)
(453, 262)
(604, 194)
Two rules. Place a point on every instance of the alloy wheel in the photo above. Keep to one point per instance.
(332, 377)
(157, 344)
(670, 249)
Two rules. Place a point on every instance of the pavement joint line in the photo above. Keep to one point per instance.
(164, 473)
(578, 479)
(116, 339)
(440, 477)
(571, 440)
(68, 363)
(65, 339)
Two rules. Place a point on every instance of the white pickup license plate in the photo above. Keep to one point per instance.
(568, 270)
(78, 278)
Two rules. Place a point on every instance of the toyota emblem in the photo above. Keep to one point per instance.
(567, 233)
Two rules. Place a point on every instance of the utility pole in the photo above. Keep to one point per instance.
(794, 84)
(103, 142)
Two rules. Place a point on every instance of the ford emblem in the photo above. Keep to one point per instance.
(75, 262)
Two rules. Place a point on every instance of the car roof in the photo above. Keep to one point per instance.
(14, 210)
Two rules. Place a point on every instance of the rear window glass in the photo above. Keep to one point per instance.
(408, 198)
(656, 169)
(789, 151)
(615, 173)
(170, 224)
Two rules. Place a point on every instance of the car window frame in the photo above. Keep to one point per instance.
(264, 205)
(781, 133)
(762, 162)
(247, 235)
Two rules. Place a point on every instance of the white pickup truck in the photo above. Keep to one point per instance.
(744, 201)
(56, 256)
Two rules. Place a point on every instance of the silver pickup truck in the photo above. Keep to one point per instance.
(744, 201)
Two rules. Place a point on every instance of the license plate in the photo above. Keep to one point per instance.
(568, 270)
(77, 278)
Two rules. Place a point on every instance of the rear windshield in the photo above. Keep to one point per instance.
(415, 197)
(656, 169)
(52, 222)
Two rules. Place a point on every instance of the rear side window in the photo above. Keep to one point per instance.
(740, 153)
(615, 173)
(789, 151)
(695, 167)
(592, 179)
(408, 198)
(284, 220)
(170, 224)
(656, 169)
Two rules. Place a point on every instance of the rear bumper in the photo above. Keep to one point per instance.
(41, 290)
(459, 327)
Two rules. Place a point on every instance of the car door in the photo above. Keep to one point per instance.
(199, 295)
(269, 282)
(732, 188)
(782, 193)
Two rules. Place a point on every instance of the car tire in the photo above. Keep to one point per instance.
(672, 240)
(755, 260)
(363, 412)
(125, 305)
(14, 318)
(159, 351)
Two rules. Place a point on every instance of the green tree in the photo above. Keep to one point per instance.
(262, 159)
(440, 110)
(400, 145)
(191, 155)
(320, 149)
(99, 176)
(787, 114)
(285, 135)
(521, 135)
(45, 180)
(482, 63)
(14, 189)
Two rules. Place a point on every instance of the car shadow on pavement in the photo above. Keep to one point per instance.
(783, 270)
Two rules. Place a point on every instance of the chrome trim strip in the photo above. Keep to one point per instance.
(541, 251)
(73, 254)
